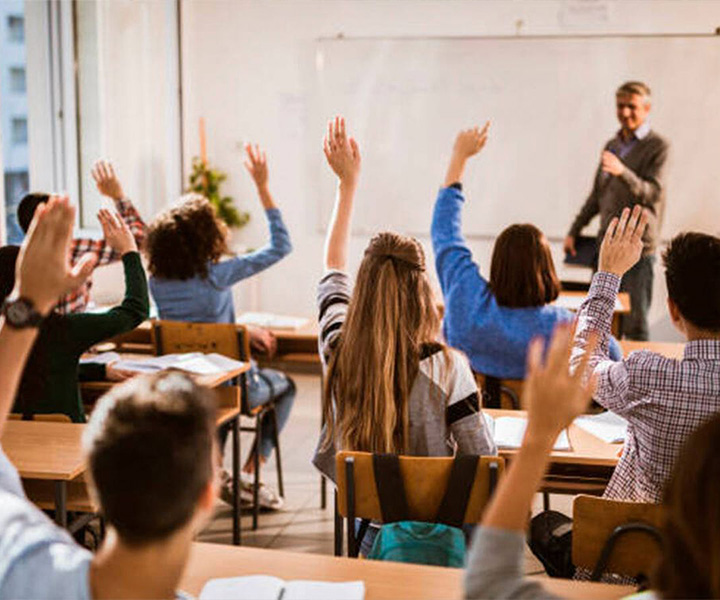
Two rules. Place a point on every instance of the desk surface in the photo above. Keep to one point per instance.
(383, 580)
(623, 300)
(44, 450)
(668, 349)
(586, 448)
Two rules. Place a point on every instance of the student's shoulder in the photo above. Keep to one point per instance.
(447, 366)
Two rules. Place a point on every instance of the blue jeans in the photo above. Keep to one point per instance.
(638, 282)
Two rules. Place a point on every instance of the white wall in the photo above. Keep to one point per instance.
(246, 66)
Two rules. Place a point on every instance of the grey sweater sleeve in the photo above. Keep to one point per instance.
(495, 567)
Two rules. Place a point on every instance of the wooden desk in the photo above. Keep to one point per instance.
(383, 580)
(46, 451)
(576, 298)
(669, 349)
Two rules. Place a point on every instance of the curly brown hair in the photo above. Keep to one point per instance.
(182, 240)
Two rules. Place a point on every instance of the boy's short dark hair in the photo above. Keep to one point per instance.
(692, 274)
(28, 205)
(150, 450)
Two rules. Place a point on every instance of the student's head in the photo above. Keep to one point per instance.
(8, 259)
(690, 563)
(632, 100)
(28, 205)
(183, 239)
(392, 313)
(522, 272)
(150, 446)
(692, 265)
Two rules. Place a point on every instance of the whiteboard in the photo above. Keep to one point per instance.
(551, 102)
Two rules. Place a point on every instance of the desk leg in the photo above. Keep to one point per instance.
(61, 503)
(236, 479)
(323, 482)
(338, 530)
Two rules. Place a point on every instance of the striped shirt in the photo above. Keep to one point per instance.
(663, 400)
(444, 411)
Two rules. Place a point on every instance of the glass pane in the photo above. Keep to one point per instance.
(13, 111)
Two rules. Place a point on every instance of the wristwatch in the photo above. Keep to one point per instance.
(20, 313)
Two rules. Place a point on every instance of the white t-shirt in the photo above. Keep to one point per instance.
(37, 558)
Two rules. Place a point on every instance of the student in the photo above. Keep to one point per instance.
(663, 399)
(690, 553)
(50, 380)
(493, 320)
(390, 386)
(163, 423)
(190, 282)
(108, 184)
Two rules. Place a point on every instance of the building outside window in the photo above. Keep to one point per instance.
(17, 80)
(16, 28)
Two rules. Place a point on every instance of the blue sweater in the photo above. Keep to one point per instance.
(209, 299)
(495, 338)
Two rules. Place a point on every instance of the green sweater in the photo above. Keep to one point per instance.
(50, 379)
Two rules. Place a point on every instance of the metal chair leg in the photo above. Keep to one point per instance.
(278, 461)
(236, 481)
(546, 501)
(256, 461)
(338, 529)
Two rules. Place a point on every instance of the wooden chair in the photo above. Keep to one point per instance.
(500, 393)
(612, 536)
(228, 339)
(425, 480)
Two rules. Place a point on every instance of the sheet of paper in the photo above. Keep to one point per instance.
(573, 302)
(271, 321)
(324, 590)
(607, 426)
(257, 587)
(103, 358)
(192, 362)
(508, 433)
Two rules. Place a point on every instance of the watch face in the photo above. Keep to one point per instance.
(18, 312)
(21, 313)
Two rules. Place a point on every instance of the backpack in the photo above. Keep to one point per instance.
(441, 543)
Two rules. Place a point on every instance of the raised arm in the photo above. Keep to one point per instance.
(554, 398)
(343, 156)
(453, 259)
(620, 250)
(43, 274)
(229, 272)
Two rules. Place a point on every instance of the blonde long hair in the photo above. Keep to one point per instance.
(391, 315)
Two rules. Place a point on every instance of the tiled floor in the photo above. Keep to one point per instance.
(302, 526)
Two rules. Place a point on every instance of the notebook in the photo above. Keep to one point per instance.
(508, 433)
(271, 321)
(192, 362)
(265, 587)
(607, 426)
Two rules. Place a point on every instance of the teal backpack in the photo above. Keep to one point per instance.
(440, 543)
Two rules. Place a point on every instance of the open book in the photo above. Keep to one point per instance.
(271, 321)
(573, 302)
(265, 587)
(607, 426)
(508, 433)
(192, 362)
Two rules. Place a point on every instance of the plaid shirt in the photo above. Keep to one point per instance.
(78, 300)
(663, 400)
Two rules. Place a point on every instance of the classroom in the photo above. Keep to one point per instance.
(360, 299)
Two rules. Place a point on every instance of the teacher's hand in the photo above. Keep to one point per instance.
(612, 164)
(569, 245)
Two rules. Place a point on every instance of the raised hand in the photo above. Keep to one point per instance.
(553, 395)
(256, 164)
(470, 141)
(43, 272)
(622, 245)
(107, 182)
(341, 152)
(569, 245)
(117, 233)
(263, 340)
(612, 164)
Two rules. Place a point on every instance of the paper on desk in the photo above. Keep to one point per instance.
(265, 587)
(192, 362)
(607, 426)
(104, 358)
(573, 302)
(508, 433)
(271, 321)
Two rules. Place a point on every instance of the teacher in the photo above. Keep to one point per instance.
(630, 172)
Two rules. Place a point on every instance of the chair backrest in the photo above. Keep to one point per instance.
(425, 480)
(50, 417)
(500, 393)
(228, 339)
(615, 536)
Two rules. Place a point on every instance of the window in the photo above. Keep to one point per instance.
(17, 80)
(18, 130)
(16, 29)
